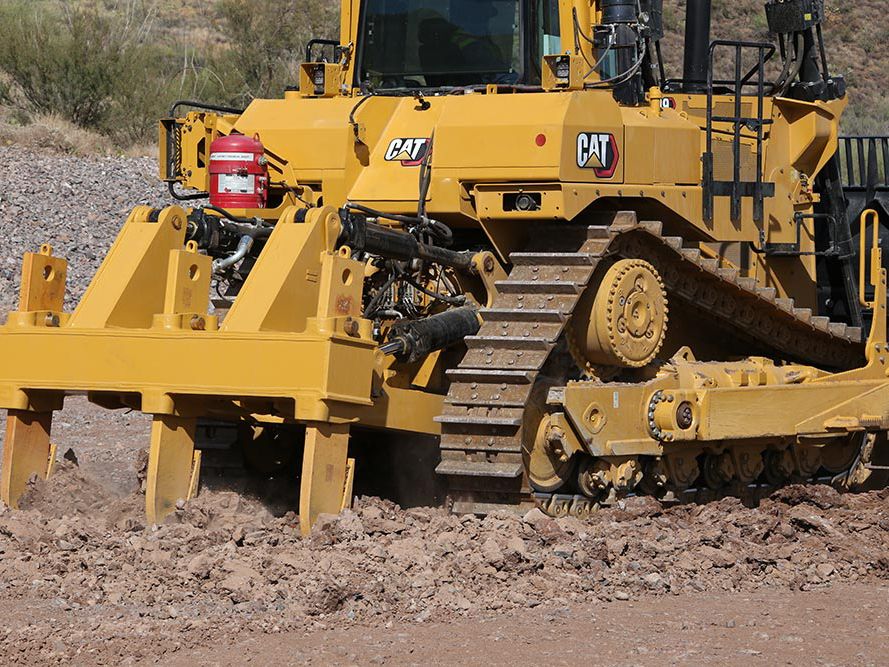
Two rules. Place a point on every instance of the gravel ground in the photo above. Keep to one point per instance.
(76, 204)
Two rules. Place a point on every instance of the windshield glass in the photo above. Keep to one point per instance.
(434, 43)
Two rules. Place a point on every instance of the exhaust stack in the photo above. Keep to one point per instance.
(697, 46)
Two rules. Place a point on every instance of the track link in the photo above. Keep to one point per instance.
(483, 418)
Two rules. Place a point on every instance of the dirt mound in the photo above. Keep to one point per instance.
(223, 564)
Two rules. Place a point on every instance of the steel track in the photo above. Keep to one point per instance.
(483, 421)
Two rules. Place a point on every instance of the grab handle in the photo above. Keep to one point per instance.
(876, 254)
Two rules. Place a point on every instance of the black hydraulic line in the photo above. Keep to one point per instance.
(364, 236)
(425, 178)
(825, 69)
(203, 106)
(374, 304)
(353, 123)
(662, 72)
(438, 229)
(230, 216)
(403, 219)
(192, 197)
(458, 300)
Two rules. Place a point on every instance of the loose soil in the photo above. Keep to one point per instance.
(803, 578)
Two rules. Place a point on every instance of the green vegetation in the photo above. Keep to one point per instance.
(112, 67)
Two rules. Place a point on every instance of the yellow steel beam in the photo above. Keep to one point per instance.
(308, 367)
(130, 286)
(614, 420)
(325, 485)
(789, 410)
(27, 452)
(173, 466)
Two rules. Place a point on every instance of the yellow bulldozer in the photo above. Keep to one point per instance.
(497, 223)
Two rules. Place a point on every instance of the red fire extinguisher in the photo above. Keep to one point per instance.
(239, 173)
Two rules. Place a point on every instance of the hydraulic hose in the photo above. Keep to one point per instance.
(364, 236)
(244, 247)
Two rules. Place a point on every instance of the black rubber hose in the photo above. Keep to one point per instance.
(438, 229)
(204, 106)
(374, 304)
(404, 219)
(176, 195)
(226, 214)
(241, 226)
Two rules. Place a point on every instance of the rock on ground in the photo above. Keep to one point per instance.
(223, 564)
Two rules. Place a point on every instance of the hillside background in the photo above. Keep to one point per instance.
(94, 75)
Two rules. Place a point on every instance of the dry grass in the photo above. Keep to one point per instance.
(51, 132)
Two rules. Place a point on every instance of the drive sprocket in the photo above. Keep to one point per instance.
(622, 323)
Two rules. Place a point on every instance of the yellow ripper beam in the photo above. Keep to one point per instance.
(293, 348)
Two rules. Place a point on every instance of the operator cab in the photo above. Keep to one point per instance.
(434, 44)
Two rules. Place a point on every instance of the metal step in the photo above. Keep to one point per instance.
(822, 323)
(479, 469)
(837, 329)
(478, 420)
(508, 342)
(489, 376)
(785, 304)
(731, 275)
(538, 287)
(803, 314)
(655, 227)
(522, 315)
(488, 394)
(483, 444)
(520, 360)
(551, 259)
(692, 254)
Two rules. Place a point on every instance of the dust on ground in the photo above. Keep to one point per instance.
(100, 585)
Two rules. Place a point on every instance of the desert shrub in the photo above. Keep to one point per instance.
(107, 66)
(268, 37)
(67, 59)
(114, 66)
(51, 132)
